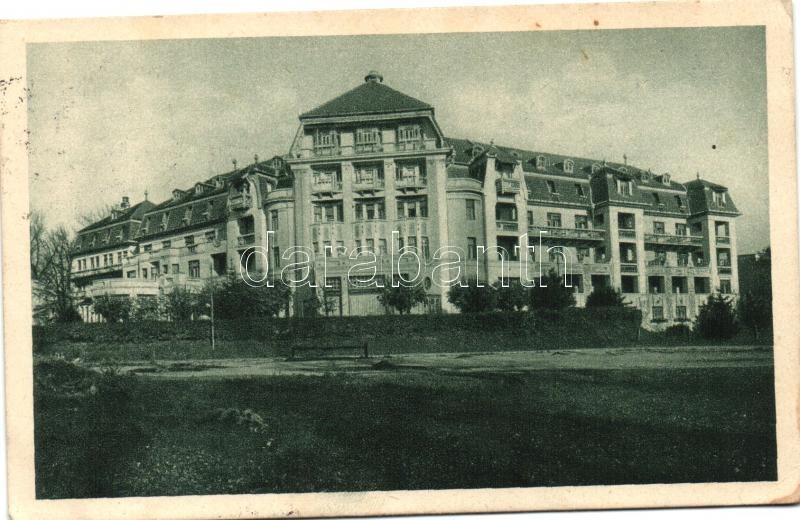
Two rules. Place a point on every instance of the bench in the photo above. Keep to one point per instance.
(362, 347)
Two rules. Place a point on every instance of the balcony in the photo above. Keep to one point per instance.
(96, 270)
(628, 268)
(569, 234)
(414, 182)
(723, 239)
(240, 201)
(507, 225)
(627, 233)
(408, 146)
(368, 148)
(246, 240)
(326, 187)
(507, 186)
(672, 240)
(723, 269)
(327, 151)
(361, 185)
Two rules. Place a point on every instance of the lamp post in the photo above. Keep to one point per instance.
(213, 341)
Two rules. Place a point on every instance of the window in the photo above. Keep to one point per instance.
(470, 209)
(317, 213)
(187, 215)
(681, 229)
(207, 211)
(626, 221)
(581, 222)
(722, 229)
(175, 268)
(656, 199)
(472, 248)
(554, 220)
(273, 218)
(326, 141)
(144, 273)
(164, 221)
(194, 268)
(658, 313)
(720, 198)
(680, 313)
(505, 212)
(679, 201)
(680, 285)
(131, 274)
(189, 240)
(583, 253)
(426, 247)
(166, 268)
(407, 174)
(702, 285)
(697, 228)
(658, 228)
(371, 210)
(147, 248)
(166, 244)
(328, 248)
(725, 286)
(579, 190)
(627, 252)
(382, 246)
(723, 258)
(540, 163)
(412, 207)
(508, 248)
(655, 284)
(211, 235)
(276, 257)
(371, 245)
(569, 166)
(329, 212)
(412, 242)
(409, 133)
(599, 220)
(624, 187)
(368, 139)
(630, 284)
(551, 187)
(530, 218)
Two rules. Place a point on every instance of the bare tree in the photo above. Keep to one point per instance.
(95, 215)
(53, 288)
(38, 236)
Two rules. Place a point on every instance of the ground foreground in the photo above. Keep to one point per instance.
(407, 422)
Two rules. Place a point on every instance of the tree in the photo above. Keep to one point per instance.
(234, 298)
(553, 295)
(52, 275)
(181, 304)
(513, 297)
(402, 298)
(147, 308)
(755, 312)
(112, 308)
(605, 296)
(716, 318)
(471, 296)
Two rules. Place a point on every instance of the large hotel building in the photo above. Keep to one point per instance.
(371, 169)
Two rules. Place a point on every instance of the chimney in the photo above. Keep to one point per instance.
(126, 203)
(374, 76)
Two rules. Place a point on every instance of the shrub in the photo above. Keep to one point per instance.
(470, 296)
(234, 299)
(554, 295)
(181, 304)
(514, 297)
(402, 298)
(605, 296)
(146, 308)
(716, 318)
(112, 308)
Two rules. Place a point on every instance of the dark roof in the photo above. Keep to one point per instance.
(134, 212)
(702, 199)
(370, 97)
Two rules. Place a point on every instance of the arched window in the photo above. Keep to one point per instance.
(540, 162)
(569, 166)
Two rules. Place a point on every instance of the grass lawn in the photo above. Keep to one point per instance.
(110, 435)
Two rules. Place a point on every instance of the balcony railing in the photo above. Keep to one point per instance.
(326, 187)
(406, 146)
(627, 233)
(507, 186)
(96, 270)
(678, 240)
(327, 151)
(628, 268)
(550, 232)
(724, 269)
(411, 182)
(241, 201)
(368, 148)
(246, 240)
(507, 225)
(368, 184)
(723, 239)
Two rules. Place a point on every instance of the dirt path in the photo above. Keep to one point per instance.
(563, 359)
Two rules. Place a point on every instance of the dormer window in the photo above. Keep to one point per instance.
(145, 225)
(177, 194)
(187, 215)
(107, 237)
(207, 211)
(569, 166)
(579, 190)
(624, 187)
(679, 201)
(656, 199)
(665, 179)
(198, 189)
(646, 175)
(720, 198)
(540, 163)
(476, 150)
(551, 187)
(595, 167)
(164, 221)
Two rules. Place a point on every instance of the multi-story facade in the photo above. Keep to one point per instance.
(370, 173)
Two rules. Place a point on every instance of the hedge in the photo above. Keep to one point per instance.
(574, 327)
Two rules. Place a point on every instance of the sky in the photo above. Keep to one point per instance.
(109, 119)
